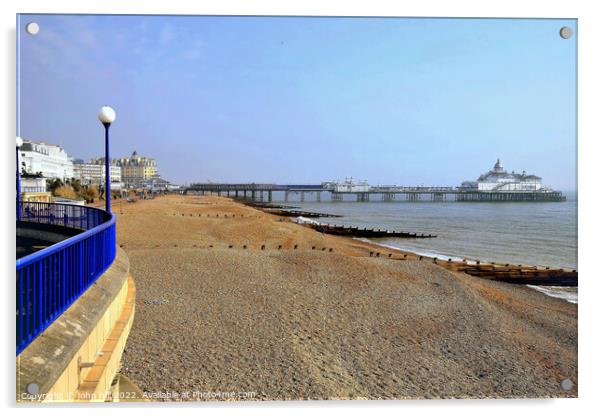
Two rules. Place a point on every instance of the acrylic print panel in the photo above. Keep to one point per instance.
(291, 208)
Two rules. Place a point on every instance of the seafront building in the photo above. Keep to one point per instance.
(49, 160)
(93, 173)
(157, 183)
(33, 189)
(136, 170)
(52, 162)
(498, 179)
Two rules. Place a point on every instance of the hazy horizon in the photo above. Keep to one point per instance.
(403, 101)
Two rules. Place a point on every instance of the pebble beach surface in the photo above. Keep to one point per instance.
(236, 304)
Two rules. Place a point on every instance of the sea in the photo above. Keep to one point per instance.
(528, 233)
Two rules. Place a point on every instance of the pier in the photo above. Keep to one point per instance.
(496, 185)
(320, 193)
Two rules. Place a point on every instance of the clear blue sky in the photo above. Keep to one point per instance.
(303, 100)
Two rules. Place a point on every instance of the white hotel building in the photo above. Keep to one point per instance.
(94, 174)
(48, 159)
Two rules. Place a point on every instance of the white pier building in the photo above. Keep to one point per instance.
(348, 185)
(498, 179)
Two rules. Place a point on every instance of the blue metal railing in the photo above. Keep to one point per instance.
(50, 280)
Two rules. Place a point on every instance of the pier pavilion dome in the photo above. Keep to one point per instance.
(498, 179)
(498, 167)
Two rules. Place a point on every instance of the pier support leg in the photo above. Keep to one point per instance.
(319, 196)
(302, 196)
(285, 196)
(269, 196)
(363, 197)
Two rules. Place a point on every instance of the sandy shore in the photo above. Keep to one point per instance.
(323, 320)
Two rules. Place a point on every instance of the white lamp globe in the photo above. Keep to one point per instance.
(19, 141)
(106, 115)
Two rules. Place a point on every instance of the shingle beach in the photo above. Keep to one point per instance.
(235, 303)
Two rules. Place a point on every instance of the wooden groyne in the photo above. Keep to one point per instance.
(287, 211)
(295, 213)
(512, 273)
(364, 232)
(256, 204)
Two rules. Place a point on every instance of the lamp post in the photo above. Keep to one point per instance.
(19, 144)
(106, 117)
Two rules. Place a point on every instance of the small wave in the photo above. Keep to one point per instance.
(567, 293)
(303, 220)
(420, 253)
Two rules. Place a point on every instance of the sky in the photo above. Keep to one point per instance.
(303, 100)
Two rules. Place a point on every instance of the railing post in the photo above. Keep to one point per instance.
(20, 303)
(26, 316)
(39, 301)
(63, 275)
(81, 267)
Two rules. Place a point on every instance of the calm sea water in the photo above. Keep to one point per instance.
(543, 233)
